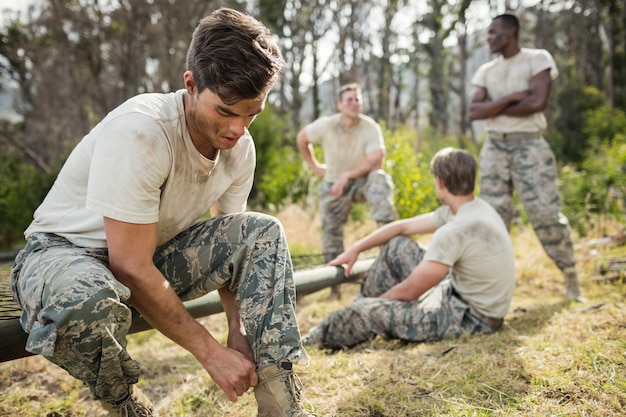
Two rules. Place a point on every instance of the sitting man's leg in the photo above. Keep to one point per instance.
(438, 314)
(393, 265)
(248, 253)
(76, 315)
(395, 261)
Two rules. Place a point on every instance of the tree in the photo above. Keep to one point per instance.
(438, 79)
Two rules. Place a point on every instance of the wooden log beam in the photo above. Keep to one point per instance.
(13, 337)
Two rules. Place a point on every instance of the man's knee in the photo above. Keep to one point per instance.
(379, 180)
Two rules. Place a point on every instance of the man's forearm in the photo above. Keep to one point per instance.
(162, 308)
(371, 162)
(231, 309)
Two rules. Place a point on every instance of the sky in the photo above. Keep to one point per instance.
(15, 5)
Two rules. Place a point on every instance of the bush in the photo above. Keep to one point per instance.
(599, 187)
(22, 188)
(280, 177)
(414, 191)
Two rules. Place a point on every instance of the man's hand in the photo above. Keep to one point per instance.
(231, 371)
(319, 170)
(237, 340)
(347, 258)
(338, 186)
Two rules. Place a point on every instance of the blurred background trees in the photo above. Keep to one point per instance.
(65, 63)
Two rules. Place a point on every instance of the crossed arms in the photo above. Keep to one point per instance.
(518, 104)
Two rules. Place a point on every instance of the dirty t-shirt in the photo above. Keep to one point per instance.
(344, 148)
(477, 245)
(502, 76)
(139, 165)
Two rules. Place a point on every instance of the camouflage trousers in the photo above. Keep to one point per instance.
(438, 314)
(77, 315)
(526, 163)
(376, 189)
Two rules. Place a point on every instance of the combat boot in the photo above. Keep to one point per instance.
(573, 292)
(278, 393)
(135, 404)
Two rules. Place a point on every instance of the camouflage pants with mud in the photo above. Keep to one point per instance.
(437, 315)
(77, 314)
(527, 164)
(376, 189)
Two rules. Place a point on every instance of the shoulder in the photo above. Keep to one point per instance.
(490, 64)
(367, 119)
(146, 108)
(534, 52)
(480, 74)
(480, 210)
(440, 216)
(324, 122)
(478, 205)
(368, 122)
(540, 60)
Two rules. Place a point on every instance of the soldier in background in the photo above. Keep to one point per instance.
(354, 150)
(511, 93)
(462, 283)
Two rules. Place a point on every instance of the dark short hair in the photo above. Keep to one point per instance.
(349, 87)
(511, 21)
(234, 55)
(456, 168)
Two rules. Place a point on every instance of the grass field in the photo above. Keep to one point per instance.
(551, 358)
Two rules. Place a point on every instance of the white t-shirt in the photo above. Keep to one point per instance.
(344, 148)
(139, 165)
(502, 76)
(476, 245)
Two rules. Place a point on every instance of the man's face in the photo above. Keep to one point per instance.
(215, 125)
(499, 36)
(350, 104)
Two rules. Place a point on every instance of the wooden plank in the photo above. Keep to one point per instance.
(13, 337)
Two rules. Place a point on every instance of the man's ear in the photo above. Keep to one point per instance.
(190, 83)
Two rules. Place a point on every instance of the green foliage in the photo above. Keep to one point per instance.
(413, 183)
(574, 101)
(22, 188)
(599, 188)
(280, 177)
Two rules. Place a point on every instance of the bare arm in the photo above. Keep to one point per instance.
(306, 150)
(424, 276)
(215, 211)
(537, 98)
(482, 107)
(237, 338)
(371, 162)
(131, 248)
(413, 226)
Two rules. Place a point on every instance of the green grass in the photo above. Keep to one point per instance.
(551, 358)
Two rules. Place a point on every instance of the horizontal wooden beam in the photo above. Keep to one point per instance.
(13, 337)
